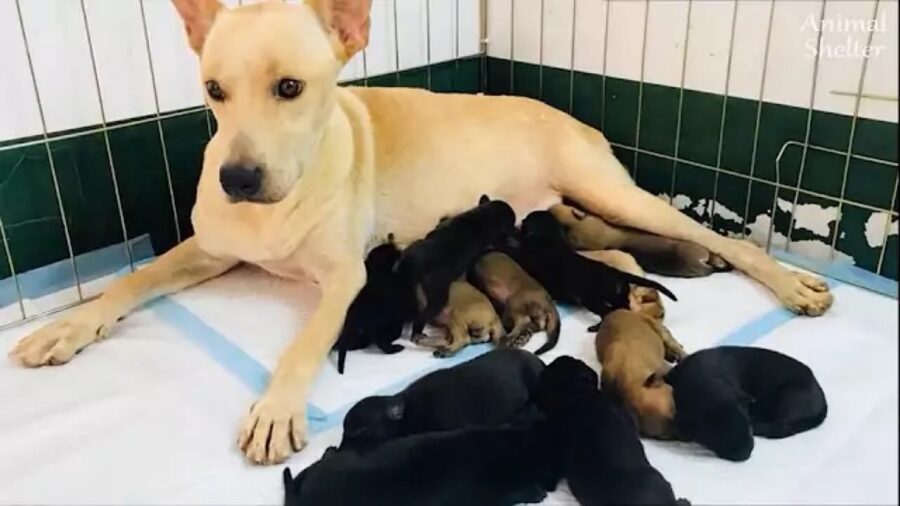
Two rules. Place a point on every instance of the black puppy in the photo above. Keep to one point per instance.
(726, 395)
(544, 252)
(488, 390)
(381, 308)
(499, 466)
(429, 265)
(603, 458)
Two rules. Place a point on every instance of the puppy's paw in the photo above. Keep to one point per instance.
(274, 430)
(445, 352)
(59, 341)
(804, 294)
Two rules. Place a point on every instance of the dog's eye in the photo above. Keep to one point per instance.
(288, 88)
(215, 91)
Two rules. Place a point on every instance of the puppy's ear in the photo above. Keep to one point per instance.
(347, 21)
(483, 200)
(395, 409)
(390, 238)
(198, 17)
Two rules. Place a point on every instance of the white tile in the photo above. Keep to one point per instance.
(789, 76)
(442, 17)
(749, 52)
(62, 63)
(708, 47)
(411, 33)
(19, 117)
(499, 22)
(626, 35)
(381, 55)
(590, 31)
(666, 37)
(469, 27)
(121, 57)
(558, 33)
(882, 73)
(526, 31)
(175, 65)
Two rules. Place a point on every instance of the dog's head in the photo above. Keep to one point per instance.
(715, 415)
(270, 75)
(372, 421)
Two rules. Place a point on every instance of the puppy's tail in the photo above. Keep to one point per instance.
(553, 328)
(342, 359)
(648, 283)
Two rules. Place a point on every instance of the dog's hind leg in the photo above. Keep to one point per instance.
(56, 343)
(593, 177)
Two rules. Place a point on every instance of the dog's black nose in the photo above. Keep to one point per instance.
(239, 181)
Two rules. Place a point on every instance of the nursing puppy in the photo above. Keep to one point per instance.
(569, 277)
(527, 308)
(488, 390)
(657, 254)
(479, 466)
(468, 318)
(641, 299)
(634, 352)
(381, 308)
(432, 264)
(602, 458)
(726, 395)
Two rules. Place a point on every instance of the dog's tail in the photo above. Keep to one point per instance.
(648, 283)
(553, 328)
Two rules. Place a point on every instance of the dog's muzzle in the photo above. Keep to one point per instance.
(241, 182)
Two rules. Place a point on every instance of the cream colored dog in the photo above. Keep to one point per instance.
(303, 176)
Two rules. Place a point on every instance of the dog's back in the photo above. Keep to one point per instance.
(488, 389)
(786, 397)
(478, 466)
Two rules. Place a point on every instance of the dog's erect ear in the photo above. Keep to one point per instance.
(347, 20)
(395, 409)
(483, 200)
(198, 17)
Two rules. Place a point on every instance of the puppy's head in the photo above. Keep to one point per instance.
(564, 377)
(542, 224)
(655, 404)
(382, 259)
(372, 421)
(716, 417)
(270, 73)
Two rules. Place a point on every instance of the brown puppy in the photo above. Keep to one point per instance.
(635, 352)
(467, 318)
(657, 254)
(641, 299)
(527, 307)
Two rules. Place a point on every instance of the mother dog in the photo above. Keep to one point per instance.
(303, 177)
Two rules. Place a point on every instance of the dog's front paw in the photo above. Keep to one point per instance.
(804, 294)
(274, 430)
(57, 342)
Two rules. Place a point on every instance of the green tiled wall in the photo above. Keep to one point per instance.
(28, 201)
(611, 105)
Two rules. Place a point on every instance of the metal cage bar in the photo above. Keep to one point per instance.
(721, 141)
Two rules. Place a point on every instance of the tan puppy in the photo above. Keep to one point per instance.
(634, 352)
(641, 299)
(467, 318)
(527, 307)
(303, 177)
(655, 253)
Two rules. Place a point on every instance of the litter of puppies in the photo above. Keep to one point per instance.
(503, 428)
